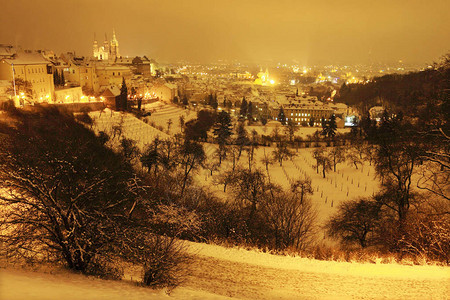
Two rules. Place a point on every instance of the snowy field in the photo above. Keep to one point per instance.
(346, 183)
(302, 132)
(221, 273)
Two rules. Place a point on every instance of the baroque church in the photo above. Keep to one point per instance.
(109, 51)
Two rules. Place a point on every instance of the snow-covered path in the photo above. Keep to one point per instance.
(219, 273)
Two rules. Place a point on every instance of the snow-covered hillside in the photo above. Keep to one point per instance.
(162, 112)
(218, 273)
(131, 127)
(346, 183)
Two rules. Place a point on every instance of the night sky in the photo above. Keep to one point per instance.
(303, 32)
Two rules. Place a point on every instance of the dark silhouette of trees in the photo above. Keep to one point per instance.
(322, 160)
(290, 217)
(355, 221)
(22, 87)
(241, 139)
(249, 187)
(197, 129)
(250, 110)
(291, 129)
(281, 116)
(336, 156)
(244, 106)
(395, 161)
(151, 157)
(282, 152)
(222, 133)
(190, 157)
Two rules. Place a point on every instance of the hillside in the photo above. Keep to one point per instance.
(221, 273)
(410, 93)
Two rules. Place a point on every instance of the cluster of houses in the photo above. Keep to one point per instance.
(40, 76)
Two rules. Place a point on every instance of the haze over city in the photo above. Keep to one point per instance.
(303, 32)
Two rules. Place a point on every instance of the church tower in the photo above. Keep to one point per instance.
(95, 47)
(114, 49)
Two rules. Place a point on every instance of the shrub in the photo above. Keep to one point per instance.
(165, 262)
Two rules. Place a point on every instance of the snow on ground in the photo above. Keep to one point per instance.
(132, 127)
(163, 112)
(28, 285)
(344, 184)
(218, 273)
(302, 132)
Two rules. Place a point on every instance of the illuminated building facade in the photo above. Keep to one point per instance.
(32, 67)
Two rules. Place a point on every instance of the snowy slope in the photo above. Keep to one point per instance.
(132, 128)
(163, 112)
(217, 273)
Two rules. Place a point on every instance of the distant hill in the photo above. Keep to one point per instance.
(409, 93)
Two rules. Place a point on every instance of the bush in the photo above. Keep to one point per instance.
(428, 233)
(165, 262)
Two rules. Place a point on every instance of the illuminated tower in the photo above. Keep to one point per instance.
(105, 48)
(114, 50)
(95, 47)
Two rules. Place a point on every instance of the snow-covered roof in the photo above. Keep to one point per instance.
(24, 58)
(111, 91)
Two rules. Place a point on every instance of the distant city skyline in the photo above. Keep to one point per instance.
(328, 32)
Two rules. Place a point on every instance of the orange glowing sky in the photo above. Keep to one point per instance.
(306, 32)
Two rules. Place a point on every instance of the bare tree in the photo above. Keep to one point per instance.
(302, 188)
(267, 161)
(190, 157)
(290, 217)
(353, 158)
(355, 221)
(322, 160)
(336, 156)
(248, 188)
(282, 152)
